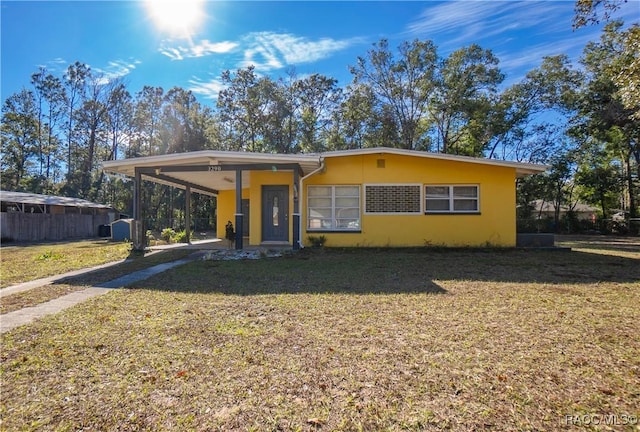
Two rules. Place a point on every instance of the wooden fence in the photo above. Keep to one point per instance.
(23, 227)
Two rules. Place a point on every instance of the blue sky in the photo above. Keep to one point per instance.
(123, 39)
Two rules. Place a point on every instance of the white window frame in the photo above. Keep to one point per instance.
(452, 199)
(418, 185)
(334, 209)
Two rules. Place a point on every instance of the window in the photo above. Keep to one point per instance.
(333, 208)
(393, 199)
(452, 199)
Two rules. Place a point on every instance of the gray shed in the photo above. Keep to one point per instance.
(121, 229)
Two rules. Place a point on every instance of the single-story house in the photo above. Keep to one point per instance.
(547, 209)
(34, 217)
(367, 197)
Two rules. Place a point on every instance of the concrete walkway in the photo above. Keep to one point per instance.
(26, 286)
(27, 315)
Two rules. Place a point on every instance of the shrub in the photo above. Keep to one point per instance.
(150, 237)
(317, 241)
(181, 237)
(168, 234)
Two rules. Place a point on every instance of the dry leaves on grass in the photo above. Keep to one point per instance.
(66, 286)
(338, 341)
(22, 263)
(35, 296)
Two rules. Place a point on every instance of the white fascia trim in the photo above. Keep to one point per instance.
(521, 167)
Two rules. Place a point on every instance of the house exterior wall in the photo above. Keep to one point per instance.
(266, 178)
(227, 203)
(495, 224)
(226, 210)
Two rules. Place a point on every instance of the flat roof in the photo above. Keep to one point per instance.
(214, 180)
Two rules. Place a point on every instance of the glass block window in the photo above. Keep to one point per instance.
(393, 199)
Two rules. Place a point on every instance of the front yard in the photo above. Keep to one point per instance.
(23, 263)
(343, 340)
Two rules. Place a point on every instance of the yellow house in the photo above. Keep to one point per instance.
(373, 197)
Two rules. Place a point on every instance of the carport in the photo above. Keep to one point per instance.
(209, 172)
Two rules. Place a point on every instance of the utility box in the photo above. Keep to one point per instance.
(121, 229)
(104, 231)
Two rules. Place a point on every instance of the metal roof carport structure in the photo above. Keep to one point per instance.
(208, 172)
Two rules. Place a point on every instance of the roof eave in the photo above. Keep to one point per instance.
(522, 169)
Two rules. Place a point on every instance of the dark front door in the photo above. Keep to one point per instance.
(275, 213)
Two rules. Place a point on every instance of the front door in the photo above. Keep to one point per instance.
(275, 213)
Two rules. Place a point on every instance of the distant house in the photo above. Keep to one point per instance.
(35, 217)
(546, 209)
(366, 197)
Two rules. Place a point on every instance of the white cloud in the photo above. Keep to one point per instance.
(208, 89)
(116, 69)
(532, 56)
(199, 49)
(465, 22)
(267, 50)
(264, 50)
(58, 64)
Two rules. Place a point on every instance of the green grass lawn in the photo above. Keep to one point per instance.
(62, 287)
(23, 263)
(342, 340)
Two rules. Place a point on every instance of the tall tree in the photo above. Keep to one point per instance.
(354, 119)
(280, 126)
(603, 117)
(146, 122)
(466, 86)
(243, 107)
(520, 121)
(91, 132)
(74, 84)
(402, 86)
(318, 97)
(599, 179)
(589, 12)
(19, 138)
(119, 116)
(51, 104)
(183, 123)
(626, 68)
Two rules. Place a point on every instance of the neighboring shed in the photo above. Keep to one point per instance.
(121, 229)
(35, 217)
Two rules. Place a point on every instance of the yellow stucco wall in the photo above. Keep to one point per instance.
(227, 203)
(226, 210)
(495, 224)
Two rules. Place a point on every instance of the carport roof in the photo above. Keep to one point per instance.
(212, 180)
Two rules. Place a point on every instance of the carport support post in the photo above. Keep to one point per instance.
(187, 213)
(137, 235)
(296, 210)
(238, 214)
